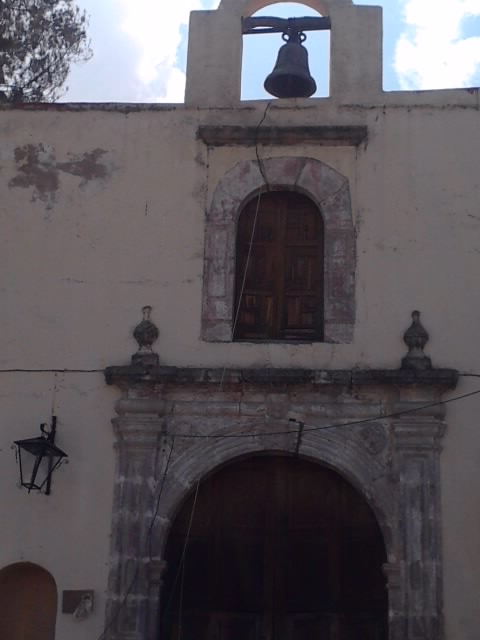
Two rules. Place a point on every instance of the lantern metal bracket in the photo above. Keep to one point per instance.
(43, 450)
(266, 24)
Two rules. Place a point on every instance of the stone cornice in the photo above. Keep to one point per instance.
(323, 135)
(148, 376)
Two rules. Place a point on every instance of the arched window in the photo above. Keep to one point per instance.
(279, 269)
(300, 178)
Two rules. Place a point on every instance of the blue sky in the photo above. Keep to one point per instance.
(428, 44)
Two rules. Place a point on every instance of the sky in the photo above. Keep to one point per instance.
(139, 48)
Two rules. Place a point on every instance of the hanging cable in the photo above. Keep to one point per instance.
(250, 245)
(52, 370)
(310, 428)
(261, 166)
(181, 565)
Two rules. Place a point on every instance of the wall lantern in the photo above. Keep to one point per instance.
(38, 458)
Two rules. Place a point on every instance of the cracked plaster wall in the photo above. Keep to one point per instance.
(102, 211)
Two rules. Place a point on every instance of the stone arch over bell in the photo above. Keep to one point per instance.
(247, 8)
(215, 47)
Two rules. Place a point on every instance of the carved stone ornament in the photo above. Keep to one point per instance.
(145, 333)
(393, 459)
(416, 337)
(374, 438)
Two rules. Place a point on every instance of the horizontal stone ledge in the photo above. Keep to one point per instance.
(150, 376)
(323, 135)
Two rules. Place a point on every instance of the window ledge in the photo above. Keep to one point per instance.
(333, 136)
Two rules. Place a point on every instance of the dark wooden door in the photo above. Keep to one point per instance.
(28, 603)
(279, 269)
(277, 549)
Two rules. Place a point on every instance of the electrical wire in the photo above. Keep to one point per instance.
(261, 166)
(265, 179)
(52, 370)
(181, 567)
(245, 271)
(182, 563)
(67, 370)
(250, 245)
(307, 428)
(310, 428)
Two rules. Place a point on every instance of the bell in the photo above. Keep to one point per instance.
(291, 77)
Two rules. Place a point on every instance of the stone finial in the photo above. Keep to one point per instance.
(145, 334)
(416, 337)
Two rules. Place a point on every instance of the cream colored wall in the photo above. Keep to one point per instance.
(78, 265)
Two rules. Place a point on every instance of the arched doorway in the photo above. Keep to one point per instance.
(275, 548)
(29, 603)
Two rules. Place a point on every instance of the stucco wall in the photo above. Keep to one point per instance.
(103, 211)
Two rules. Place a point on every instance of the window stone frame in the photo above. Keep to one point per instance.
(330, 192)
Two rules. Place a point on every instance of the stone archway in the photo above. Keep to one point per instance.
(177, 426)
(274, 546)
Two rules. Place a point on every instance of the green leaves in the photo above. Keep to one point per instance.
(39, 39)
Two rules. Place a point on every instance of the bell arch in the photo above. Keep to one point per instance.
(246, 8)
(214, 61)
(28, 594)
(308, 60)
(329, 190)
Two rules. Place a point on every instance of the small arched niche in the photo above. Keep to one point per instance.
(260, 51)
(28, 594)
(274, 546)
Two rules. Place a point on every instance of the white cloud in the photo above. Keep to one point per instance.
(156, 28)
(433, 52)
(136, 46)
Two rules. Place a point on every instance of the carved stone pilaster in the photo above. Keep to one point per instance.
(143, 451)
(396, 615)
(417, 441)
(156, 571)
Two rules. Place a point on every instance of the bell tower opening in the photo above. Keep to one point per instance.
(278, 548)
(260, 53)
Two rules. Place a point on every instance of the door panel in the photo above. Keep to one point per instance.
(279, 549)
(28, 599)
(279, 270)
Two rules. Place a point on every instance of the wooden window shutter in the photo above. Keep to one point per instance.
(279, 269)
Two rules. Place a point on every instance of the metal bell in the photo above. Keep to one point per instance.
(291, 77)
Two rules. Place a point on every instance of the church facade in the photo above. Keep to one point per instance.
(255, 324)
